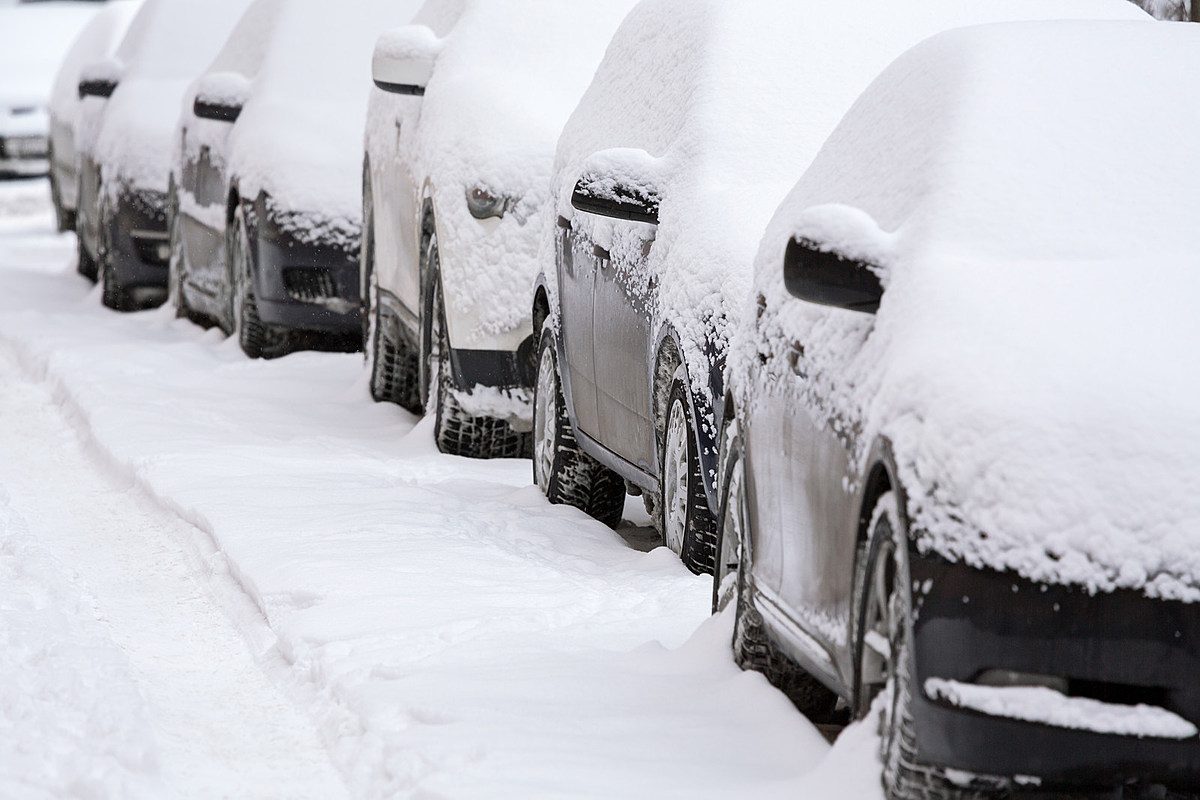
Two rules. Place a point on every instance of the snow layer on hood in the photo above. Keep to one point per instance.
(33, 41)
(169, 42)
(299, 137)
(732, 132)
(97, 41)
(1033, 359)
(508, 75)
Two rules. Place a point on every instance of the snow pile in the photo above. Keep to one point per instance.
(731, 134)
(34, 39)
(508, 75)
(168, 43)
(1048, 707)
(71, 718)
(1031, 362)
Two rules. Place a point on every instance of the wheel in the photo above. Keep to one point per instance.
(175, 276)
(86, 265)
(457, 432)
(687, 525)
(395, 366)
(64, 219)
(257, 338)
(113, 294)
(564, 473)
(883, 642)
(753, 648)
(731, 527)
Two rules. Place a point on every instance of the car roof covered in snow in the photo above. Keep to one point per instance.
(1032, 361)
(306, 85)
(34, 38)
(99, 39)
(168, 44)
(731, 102)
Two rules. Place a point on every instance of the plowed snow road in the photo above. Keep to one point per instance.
(221, 577)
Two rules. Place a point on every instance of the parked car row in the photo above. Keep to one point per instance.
(880, 307)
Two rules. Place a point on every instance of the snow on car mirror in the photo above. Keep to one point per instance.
(220, 96)
(619, 183)
(404, 59)
(100, 78)
(820, 275)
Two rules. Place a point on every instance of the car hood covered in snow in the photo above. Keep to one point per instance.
(1032, 361)
(726, 136)
(169, 42)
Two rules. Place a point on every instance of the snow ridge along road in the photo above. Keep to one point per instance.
(445, 631)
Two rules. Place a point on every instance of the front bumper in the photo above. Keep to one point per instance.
(137, 242)
(24, 156)
(306, 286)
(1120, 648)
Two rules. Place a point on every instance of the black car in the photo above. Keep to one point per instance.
(959, 460)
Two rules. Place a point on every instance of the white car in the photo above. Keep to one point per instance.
(459, 147)
(266, 204)
(97, 41)
(130, 103)
(34, 38)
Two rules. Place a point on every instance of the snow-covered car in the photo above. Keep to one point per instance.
(34, 38)
(665, 178)
(266, 190)
(97, 41)
(459, 148)
(129, 105)
(963, 469)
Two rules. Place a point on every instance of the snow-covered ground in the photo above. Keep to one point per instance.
(226, 578)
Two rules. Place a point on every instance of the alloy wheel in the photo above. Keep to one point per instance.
(545, 420)
(675, 480)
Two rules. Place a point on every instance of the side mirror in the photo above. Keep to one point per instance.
(824, 277)
(618, 183)
(221, 96)
(100, 79)
(404, 59)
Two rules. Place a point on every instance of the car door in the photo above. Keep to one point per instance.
(623, 230)
(577, 265)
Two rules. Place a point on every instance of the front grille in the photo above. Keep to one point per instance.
(309, 284)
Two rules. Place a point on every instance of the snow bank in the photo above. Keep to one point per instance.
(168, 43)
(1048, 707)
(508, 75)
(1031, 360)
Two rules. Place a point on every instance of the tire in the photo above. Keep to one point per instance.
(687, 524)
(883, 592)
(561, 469)
(395, 366)
(366, 272)
(113, 294)
(457, 432)
(731, 521)
(64, 220)
(754, 650)
(86, 266)
(257, 338)
(175, 276)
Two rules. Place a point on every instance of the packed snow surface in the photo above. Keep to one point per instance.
(1032, 361)
(1048, 707)
(446, 631)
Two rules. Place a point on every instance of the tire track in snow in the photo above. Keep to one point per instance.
(220, 727)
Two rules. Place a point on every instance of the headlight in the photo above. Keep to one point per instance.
(483, 204)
